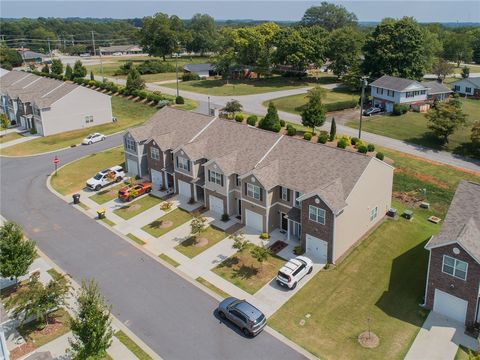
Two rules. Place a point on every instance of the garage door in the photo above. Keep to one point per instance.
(216, 205)
(184, 189)
(316, 248)
(157, 178)
(132, 167)
(253, 220)
(450, 306)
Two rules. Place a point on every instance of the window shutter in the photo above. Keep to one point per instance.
(209, 178)
(188, 165)
(288, 195)
(281, 192)
(221, 180)
(261, 194)
(245, 188)
(176, 161)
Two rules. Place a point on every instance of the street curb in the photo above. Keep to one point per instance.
(184, 276)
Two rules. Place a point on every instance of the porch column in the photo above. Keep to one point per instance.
(174, 184)
(195, 191)
(288, 229)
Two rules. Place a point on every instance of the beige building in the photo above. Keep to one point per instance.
(323, 197)
(51, 106)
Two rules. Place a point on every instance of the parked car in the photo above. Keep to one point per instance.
(293, 271)
(243, 314)
(372, 111)
(117, 53)
(93, 138)
(85, 55)
(128, 193)
(106, 177)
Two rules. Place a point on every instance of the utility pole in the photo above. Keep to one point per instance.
(93, 44)
(364, 83)
(73, 41)
(176, 69)
(49, 49)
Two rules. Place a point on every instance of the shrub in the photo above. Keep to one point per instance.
(190, 77)
(239, 117)
(92, 83)
(370, 147)
(225, 217)
(264, 236)
(166, 205)
(230, 116)
(282, 123)
(354, 140)
(252, 120)
(307, 136)
(33, 131)
(346, 139)
(359, 143)
(342, 144)
(297, 250)
(163, 103)
(291, 131)
(179, 100)
(362, 149)
(380, 156)
(399, 109)
(276, 127)
(322, 138)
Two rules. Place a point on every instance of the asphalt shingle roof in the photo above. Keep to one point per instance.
(434, 87)
(473, 80)
(394, 83)
(195, 68)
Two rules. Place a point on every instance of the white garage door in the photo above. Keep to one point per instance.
(157, 178)
(132, 167)
(184, 189)
(216, 205)
(316, 248)
(253, 220)
(450, 306)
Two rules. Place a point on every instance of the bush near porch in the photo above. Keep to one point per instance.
(167, 223)
(194, 245)
(246, 272)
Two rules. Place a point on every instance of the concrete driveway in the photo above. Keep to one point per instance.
(439, 339)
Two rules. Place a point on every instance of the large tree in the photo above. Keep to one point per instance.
(344, 49)
(16, 252)
(397, 48)
(160, 34)
(91, 327)
(445, 119)
(202, 34)
(313, 112)
(329, 16)
(457, 47)
(9, 58)
(442, 69)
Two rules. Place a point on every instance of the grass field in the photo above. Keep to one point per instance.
(412, 127)
(194, 245)
(136, 207)
(9, 137)
(136, 239)
(72, 177)
(103, 196)
(293, 104)
(167, 222)
(212, 287)
(132, 346)
(169, 260)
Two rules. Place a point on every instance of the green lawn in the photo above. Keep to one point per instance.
(195, 245)
(136, 239)
(108, 222)
(462, 353)
(167, 222)
(412, 127)
(219, 87)
(136, 207)
(212, 287)
(247, 273)
(9, 137)
(103, 196)
(73, 176)
(169, 260)
(293, 104)
(132, 346)
(128, 113)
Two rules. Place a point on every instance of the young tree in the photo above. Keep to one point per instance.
(445, 120)
(442, 69)
(16, 252)
(91, 328)
(68, 72)
(475, 136)
(38, 300)
(233, 106)
(4, 122)
(239, 241)
(45, 69)
(92, 77)
(57, 67)
(313, 113)
(79, 71)
(333, 130)
(465, 72)
(329, 16)
(134, 80)
(271, 121)
(260, 253)
(198, 225)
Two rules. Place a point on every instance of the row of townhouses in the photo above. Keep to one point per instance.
(326, 198)
(51, 106)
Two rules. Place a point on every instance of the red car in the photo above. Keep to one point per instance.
(128, 193)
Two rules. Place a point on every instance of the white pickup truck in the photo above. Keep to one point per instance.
(106, 177)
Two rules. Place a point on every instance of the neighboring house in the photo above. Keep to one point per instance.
(453, 277)
(33, 57)
(469, 86)
(51, 106)
(203, 70)
(121, 50)
(325, 198)
(389, 90)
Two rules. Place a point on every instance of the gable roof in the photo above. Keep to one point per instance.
(395, 83)
(472, 80)
(198, 67)
(434, 87)
(119, 48)
(462, 223)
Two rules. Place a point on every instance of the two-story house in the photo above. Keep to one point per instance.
(325, 198)
(51, 106)
(389, 90)
(453, 277)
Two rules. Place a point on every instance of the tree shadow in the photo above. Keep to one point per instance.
(427, 139)
(245, 272)
(468, 149)
(230, 262)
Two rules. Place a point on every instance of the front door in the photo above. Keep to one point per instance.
(240, 208)
(284, 221)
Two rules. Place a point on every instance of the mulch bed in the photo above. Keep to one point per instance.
(278, 246)
(368, 340)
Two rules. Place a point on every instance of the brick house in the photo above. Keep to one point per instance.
(453, 277)
(324, 198)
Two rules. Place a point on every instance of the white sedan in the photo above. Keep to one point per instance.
(93, 138)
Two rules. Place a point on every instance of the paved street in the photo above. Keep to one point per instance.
(175, 318)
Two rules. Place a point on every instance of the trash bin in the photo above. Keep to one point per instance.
(101, 213)
(76, 199)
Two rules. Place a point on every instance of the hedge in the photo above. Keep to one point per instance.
(340, 105)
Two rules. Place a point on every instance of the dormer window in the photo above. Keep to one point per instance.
(297, 195)
(183, 164)
(215, 177)
(454, 267)
(254, 191)
(316, 214)
(130, 145)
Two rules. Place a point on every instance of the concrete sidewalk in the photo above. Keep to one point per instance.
(438, 339)
(19, 141)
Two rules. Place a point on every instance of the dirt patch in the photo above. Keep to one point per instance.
(166, 224)
(22, 350)
(201, 242)
(423, 177)
(409, 198)
(368, 340)
(134, 207)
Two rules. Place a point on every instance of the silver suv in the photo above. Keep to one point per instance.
(293, 271)
(243, 314)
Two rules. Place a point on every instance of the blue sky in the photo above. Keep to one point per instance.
(424, 11)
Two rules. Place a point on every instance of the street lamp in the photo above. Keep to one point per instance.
(176, 64)
(364, 83)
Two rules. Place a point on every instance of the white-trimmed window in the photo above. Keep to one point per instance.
(468, 90)
(297, 195)
(253, 191)
(183, 163)
(316, 214)
(454, 267)
(374, 213)
(284, 193)
(456, 88)
(155, 153)
(215, 177)
(130, 145)
(89, 119)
